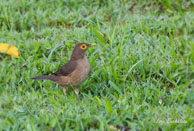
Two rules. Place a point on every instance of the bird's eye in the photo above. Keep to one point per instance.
(83, 46)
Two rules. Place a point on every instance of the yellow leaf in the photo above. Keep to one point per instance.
(9, 49)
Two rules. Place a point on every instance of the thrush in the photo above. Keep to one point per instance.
(74, 72)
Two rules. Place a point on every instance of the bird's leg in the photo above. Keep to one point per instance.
(76, 91)
(64, 90)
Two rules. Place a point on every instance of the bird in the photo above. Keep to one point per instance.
(74, 72)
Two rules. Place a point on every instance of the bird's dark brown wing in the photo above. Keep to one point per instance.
(66, 69)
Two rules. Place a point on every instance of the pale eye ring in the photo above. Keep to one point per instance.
(83, 46)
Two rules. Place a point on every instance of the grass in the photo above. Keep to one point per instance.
(142, 66)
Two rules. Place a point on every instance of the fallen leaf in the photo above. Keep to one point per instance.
(9, 49)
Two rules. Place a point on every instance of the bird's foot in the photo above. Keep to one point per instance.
(76, 91)
(64, 90)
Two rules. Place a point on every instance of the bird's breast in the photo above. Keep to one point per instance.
(79, 75)
(83, 69)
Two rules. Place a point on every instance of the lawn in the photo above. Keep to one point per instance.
(142, 66)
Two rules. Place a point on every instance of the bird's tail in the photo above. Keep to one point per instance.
(45, 77)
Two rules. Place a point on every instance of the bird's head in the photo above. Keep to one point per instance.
(80, 50)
